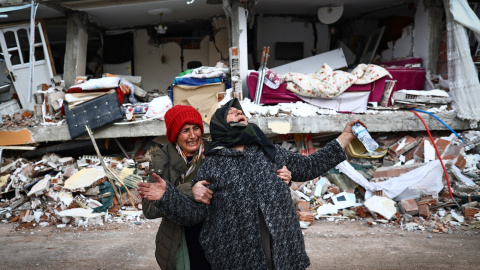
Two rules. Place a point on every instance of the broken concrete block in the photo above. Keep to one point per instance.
(452, 152)
(388, 141)
(394, 171)
(381, 205)
(360, 211)
(303, 206)
(40, 186)
(94, 191)
(321, 186)
(79, 212)
(403, 145)
(84, 178)
(424, 210)
(441, 144)
(344, 200)
(457, 216)
(408, 206)
(327, 209)
(28, 218)
(460, 162)
(66, 161)
(333, 189)
(427, 200)
(389, 161)
(470, 212)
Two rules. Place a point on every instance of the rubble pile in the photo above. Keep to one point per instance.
(25, 119)
(63, 191)
(419, 206)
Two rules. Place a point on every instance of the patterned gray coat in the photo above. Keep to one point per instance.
(245, 182)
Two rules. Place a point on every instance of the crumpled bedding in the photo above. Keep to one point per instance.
(208, 72)
(327, 83)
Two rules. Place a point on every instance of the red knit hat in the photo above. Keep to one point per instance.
(177, 117)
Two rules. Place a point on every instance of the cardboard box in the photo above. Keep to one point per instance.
(204, 98)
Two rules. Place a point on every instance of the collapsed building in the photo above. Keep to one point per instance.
(75, 137)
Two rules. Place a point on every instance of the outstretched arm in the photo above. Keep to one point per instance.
(347, 135)
(305, 168)
(172, 203)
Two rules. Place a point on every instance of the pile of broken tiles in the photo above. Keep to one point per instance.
(63, 191)
(334, 196)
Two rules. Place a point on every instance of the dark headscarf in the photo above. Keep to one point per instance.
(227, 135)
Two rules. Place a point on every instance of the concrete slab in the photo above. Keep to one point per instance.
(381, 122)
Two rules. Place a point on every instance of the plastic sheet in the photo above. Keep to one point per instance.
(425, 180)
(158, 107)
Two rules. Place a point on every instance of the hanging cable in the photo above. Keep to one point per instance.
(438, 154)
(440, 120)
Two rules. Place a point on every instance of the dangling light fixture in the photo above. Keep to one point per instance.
(161, 29)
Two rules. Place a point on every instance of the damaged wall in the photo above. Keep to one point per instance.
(421, 34)
(273, 29)
(158, 75)
(406, 35)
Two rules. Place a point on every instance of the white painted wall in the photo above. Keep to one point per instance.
(414, 40)
(286, 29)
(158, 75)
(400, 48)
(421, 34)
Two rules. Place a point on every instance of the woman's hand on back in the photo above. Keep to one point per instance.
(284, 174)
(201, 192)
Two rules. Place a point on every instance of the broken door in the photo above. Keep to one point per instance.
(15, 44)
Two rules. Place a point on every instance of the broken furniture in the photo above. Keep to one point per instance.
(96, 113)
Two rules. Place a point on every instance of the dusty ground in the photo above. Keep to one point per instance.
(330, 245)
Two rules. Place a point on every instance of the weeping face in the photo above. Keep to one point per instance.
(236, 115)
(189, 139)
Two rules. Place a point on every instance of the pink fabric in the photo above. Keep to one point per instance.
(270, 95)
(407, 78)
(328, 83)
(274, 77)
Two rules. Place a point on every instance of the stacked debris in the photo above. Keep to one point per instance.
(402, 184)
(61, 190)
(25, 119)
(405, 186)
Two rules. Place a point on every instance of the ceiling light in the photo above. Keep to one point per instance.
(161, 29)
(330, 14)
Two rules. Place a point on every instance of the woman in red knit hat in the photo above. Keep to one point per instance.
(178, 247)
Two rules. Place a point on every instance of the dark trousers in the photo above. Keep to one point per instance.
(195, 251)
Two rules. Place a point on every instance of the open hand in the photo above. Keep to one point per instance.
(152, 191)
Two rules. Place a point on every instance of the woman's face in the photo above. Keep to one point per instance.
(236, 115)
(189, 139)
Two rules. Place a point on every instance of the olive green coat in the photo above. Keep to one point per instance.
(167, 163)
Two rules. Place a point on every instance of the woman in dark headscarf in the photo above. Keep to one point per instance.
(251, 222)
(229, 128)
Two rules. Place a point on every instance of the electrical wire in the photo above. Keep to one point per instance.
(440, 120)
(438, 154)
